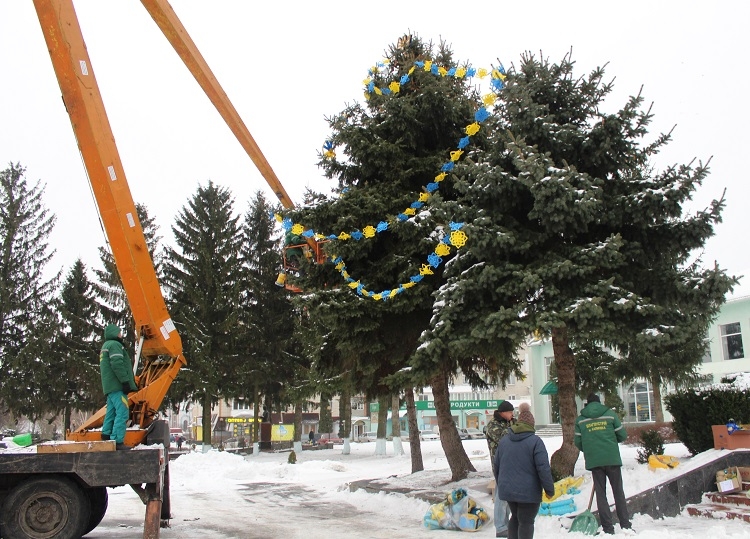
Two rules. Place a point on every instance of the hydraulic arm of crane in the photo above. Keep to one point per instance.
(161, 348)
(168, 22)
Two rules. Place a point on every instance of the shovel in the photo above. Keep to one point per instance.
(586, 522)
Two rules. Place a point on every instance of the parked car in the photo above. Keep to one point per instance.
(427, 435)
(368, 437)
(470, 434)
(328, 439)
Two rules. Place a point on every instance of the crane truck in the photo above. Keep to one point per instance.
(59, 490)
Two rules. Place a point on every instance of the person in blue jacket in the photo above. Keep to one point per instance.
(522, 471)
(117, 381)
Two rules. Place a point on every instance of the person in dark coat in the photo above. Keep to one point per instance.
(598, 431)
(522, 471)
(498, 427)
(311, 436)
(117, 381)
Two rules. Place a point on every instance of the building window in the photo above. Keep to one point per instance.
(511, 397)
(243, 404)
(640, 403)
(512, 380)
(731, 341)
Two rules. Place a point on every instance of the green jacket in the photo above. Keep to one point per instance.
(114, 363)
(598, 431)
(494, 431)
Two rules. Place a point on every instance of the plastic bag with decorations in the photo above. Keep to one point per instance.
(457, 512)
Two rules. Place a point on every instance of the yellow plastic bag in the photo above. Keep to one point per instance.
(656, 462)
(563, 486)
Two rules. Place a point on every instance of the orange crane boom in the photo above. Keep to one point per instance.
(167, 21)
(161, 347)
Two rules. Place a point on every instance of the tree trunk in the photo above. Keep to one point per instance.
(395, 417)
(563, 460)
(396, 425)
(66, 420)
(298, 422)
(345, 413)
(458, 461)
(383, 402)
(256, 414)
(414, 444)
(656, 388)
(345, 418)
(206, 419)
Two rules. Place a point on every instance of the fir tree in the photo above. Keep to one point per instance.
(265, 340)
(574, 234)
(202, 275)
(28, 321)
(391, 147)
(77, 350)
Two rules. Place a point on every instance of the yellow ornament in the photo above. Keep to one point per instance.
(424, 196)
(377, 297)
(442, 249)
(395, 87)
(456, 155)
(428, 65)
(443, 72)
(440, 177)
(425, 270)
(344, 236)
(298, 229)
(354, 284)
(482, 73)
(458, 238)
(369, 231)
(489, 100)
(460, 72)
(498, 75)
(409, 211)
(472, 129)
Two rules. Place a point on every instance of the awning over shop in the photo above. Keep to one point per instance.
(550, 388)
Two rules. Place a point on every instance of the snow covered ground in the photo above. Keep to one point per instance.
(222, 495)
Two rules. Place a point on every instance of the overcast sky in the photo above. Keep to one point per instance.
(288, 65)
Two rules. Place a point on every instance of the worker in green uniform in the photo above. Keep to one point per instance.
(117, 381)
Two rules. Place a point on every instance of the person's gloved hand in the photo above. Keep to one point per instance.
(126, 388)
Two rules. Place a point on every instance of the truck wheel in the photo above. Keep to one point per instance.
(45, 508)
(98, 500)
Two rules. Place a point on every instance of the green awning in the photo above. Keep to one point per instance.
(550, 388)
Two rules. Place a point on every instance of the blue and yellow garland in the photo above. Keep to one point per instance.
(457, 237)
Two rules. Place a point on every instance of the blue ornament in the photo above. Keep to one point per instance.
(481, 115)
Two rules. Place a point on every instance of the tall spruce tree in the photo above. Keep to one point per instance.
(394, 146)
(78, 385)
(202, 276)
(28, 318)
(269, 358)
(574, 233)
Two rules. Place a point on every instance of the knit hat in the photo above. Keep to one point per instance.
(593, 397)
(525, 415)
(505, 406)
